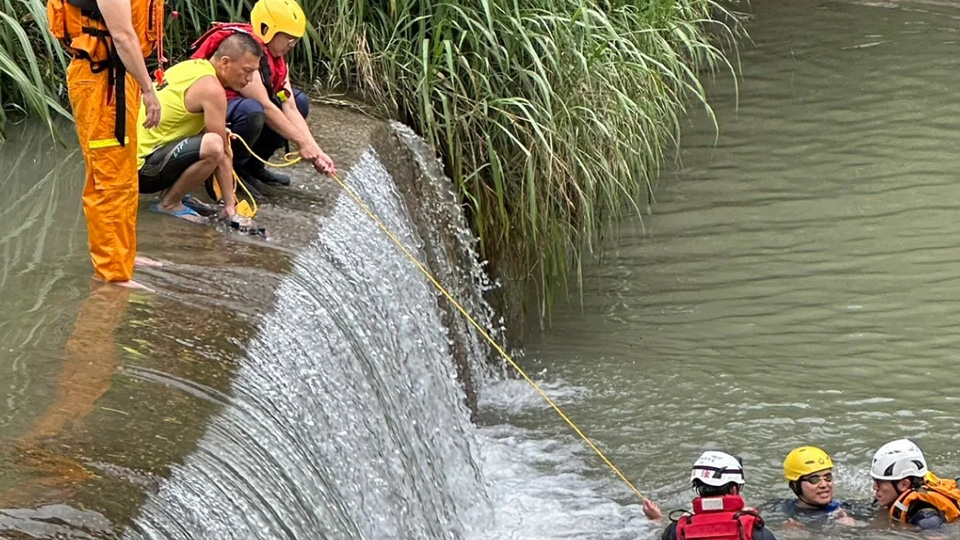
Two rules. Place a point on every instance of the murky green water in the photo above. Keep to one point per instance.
(103, 390)
(799, 281)
(80, 423)
(795, 284)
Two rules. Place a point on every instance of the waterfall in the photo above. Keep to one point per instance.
(346, 417)
(314, 386)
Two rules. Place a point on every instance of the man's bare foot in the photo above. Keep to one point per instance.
(129, 284)
(146, 262)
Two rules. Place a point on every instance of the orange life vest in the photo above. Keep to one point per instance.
(944, 495)
(80, 27)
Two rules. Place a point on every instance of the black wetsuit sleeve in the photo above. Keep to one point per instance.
(763, 533)
(926, 518)
(670, 533)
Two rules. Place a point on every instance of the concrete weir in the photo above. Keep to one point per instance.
(303, 386)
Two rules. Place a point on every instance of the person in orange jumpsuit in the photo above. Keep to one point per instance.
(109, 40)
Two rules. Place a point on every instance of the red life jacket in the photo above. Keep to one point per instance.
(272, 69)
(718, 518)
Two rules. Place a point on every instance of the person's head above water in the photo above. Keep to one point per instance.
(897, 466)
(809, 473)
(717, 473)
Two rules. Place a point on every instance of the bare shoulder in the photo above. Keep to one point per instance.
(204, 92)
(208, 86)
(117, 16)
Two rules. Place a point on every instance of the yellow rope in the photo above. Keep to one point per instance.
(242, 207)
(290, 160)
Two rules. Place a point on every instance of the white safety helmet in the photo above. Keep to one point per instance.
(717, 469)
(897, 460)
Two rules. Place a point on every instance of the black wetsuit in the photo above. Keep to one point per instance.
(783, 509)
(925, 515)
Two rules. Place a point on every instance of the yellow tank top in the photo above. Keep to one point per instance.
(176, 122)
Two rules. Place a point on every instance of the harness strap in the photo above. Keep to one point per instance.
(96, 32)
(102, 35)
(116, 80)
(266, 73)
(119, 74)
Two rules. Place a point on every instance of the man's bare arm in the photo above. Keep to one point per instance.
(119, 20)
(274, 116)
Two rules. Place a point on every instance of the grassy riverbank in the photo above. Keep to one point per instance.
(551, 116)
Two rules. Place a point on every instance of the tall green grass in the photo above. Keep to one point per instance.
(551, 116)
(30, 63)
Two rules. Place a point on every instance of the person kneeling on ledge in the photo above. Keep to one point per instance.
(191, 143)
(269, 111)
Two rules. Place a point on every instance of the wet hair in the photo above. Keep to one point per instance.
(915, 483)
(705, 490)
(238, 44)
(796, 487)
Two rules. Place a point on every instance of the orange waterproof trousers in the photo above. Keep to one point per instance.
(111, 195)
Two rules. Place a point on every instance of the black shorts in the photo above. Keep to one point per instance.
(163, 166)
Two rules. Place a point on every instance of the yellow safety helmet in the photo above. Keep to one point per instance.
(805, 460)
(271, 16)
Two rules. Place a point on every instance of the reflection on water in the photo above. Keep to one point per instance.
(90, 358)
(79, 439)
(91, 414)
(798, 282)
(303, 387)
(42, 240)
(796, 285)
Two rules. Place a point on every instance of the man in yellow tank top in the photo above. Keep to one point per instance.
(190, 143)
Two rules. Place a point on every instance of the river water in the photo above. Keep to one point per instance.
(798, 281)
(794, 284)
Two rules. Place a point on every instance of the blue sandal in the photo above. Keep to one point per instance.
(185, 213)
